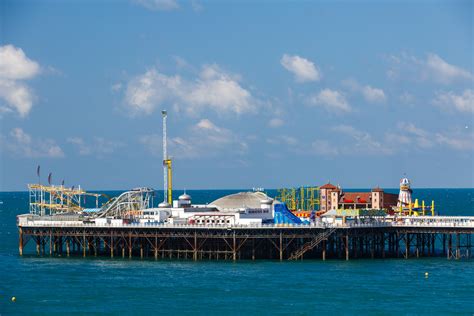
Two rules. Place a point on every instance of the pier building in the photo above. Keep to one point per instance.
(333, 197)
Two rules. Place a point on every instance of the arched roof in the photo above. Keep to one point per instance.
(240, 200)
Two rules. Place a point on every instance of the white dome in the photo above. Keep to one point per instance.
(184, 197)
(241, 200)
(164, 205)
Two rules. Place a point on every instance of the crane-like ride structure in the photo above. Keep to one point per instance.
(167, 171)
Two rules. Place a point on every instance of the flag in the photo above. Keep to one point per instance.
(49, 178)
(62, 182)
(38, 171)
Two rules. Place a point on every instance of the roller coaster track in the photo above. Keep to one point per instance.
(134, 200)
(312, 243)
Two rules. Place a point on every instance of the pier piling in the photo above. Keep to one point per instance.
(278, 243)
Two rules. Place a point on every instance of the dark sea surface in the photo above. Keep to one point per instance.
(59, 285)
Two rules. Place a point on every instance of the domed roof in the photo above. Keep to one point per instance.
(241, 200)
(164, 205)
(184, 197)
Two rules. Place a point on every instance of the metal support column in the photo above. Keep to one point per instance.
(281, 246)
(346, 243)
(234, 248)
(195, 247)
(20, 241)
(324, 250)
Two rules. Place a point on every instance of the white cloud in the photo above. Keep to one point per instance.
(350, 141)
(363, 142)
(463, 102)
(413, 137)
(303, 69)
(440, 70)
(322, 147)
(419, 136)
(331, 100)
(147, 91)
(80, 145)
(15, 68)
(220, 92)
(20, 136)
(15, 65)
(289, 140)
(20, 143)
(205, 139)
(456, 142)
(373, 95)
(276, 122)
(158, 5)
(370, 94)
(214, 89)
(98, 146)
(432, 68)
(397, 139)
(292, 144)
(206, 124)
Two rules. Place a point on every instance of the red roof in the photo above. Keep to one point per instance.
(356, 197)
(328, 186)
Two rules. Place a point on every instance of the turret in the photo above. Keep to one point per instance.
(404, 197)
(184, 200)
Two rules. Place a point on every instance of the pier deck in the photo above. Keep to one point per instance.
(386, 237)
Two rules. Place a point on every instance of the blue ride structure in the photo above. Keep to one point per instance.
(284, 216)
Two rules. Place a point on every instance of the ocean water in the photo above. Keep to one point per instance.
(51, 285)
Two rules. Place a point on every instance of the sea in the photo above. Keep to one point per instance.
(64, 286)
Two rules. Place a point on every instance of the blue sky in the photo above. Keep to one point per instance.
(265, 94)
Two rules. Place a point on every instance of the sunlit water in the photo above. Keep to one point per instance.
(75, 285)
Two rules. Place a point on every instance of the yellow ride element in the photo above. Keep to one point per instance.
(303, 198)
(414, 209)
(50, 199)
(167, 163)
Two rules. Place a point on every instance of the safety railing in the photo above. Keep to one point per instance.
(441, 222)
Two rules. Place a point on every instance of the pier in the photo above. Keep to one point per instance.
(383, 237)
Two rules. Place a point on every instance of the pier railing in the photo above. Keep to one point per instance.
(358, 222)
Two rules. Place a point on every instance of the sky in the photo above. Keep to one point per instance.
(258, 93)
